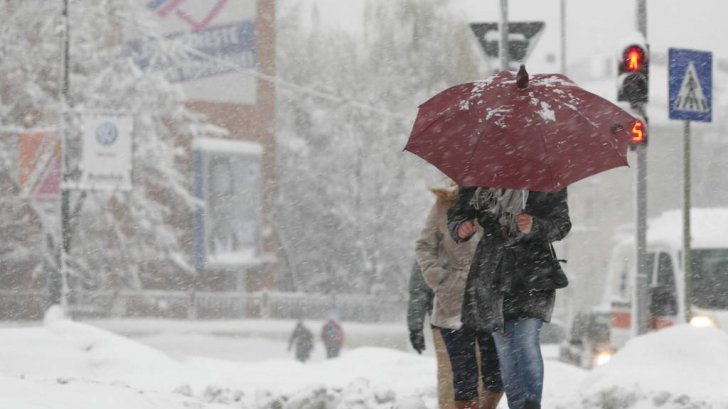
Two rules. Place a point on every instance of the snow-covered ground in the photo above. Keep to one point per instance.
(244, 364)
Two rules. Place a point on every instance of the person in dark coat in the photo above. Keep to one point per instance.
(302, 338)
(497, 297)
(419, 305)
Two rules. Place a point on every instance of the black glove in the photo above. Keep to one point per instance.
(417, 339)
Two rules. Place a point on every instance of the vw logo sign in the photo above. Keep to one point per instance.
(107, 133)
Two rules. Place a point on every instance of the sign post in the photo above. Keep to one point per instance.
(691, 99)
(504, 40)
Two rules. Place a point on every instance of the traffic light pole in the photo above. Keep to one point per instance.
(640, 307)
(642, 296)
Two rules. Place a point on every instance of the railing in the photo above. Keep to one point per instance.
(207, 305)
(22, 305)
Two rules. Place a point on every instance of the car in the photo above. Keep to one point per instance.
(553, 332)
(588, 343)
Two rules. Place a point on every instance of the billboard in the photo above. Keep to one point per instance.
(213, 54)
(229, 182)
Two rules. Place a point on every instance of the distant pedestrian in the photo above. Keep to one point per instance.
(333, 337)
(302, 338)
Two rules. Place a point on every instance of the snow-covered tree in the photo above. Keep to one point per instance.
(350, 202)
(120, 239)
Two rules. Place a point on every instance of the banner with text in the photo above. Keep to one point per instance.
(212, 48)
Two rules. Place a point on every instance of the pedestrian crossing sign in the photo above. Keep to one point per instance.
(691, 85)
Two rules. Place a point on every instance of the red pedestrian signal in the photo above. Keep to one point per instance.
(638, 133)
(633, 58)
(633, 72)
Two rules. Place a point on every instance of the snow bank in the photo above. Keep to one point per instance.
(679, 367)
(68, 350)
(373, 377)
(71, 365)
(561, 383)
(18, 393)
(67, 365)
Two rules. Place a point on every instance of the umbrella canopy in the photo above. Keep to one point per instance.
(511, 132)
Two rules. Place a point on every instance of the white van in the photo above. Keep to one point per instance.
(610, 323)
(709, 255)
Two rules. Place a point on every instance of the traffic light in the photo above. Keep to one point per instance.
(638, 133)
(634, 75)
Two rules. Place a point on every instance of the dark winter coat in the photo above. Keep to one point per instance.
(302, 338)
(494, 292)
(420, 300)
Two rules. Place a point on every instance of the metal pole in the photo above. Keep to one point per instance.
(570, 299)
(503, 29)
(642, 273)
(640, 307)
(687, 237)
(642, 17)
(563, 36)
(65, 194)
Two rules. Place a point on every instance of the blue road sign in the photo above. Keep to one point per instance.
(691, 85)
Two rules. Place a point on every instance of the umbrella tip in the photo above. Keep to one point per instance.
(522, 78)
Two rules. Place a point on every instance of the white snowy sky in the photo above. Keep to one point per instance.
(593, 27)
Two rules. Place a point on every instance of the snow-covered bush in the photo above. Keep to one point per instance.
(350, 203)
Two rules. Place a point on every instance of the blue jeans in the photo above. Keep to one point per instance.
(519, 351)
(461, 346)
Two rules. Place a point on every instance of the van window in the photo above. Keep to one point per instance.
(623, 266)
(665, 272)
(650, 267)
(710, 278)
(622, 284)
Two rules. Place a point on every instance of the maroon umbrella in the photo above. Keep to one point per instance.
(509, 132)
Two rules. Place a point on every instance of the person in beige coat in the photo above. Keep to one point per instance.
(445, 265)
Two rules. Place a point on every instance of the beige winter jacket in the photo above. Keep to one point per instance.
(445, 266)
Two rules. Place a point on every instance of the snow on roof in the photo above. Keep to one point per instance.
(708, 227)
(227, 146)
